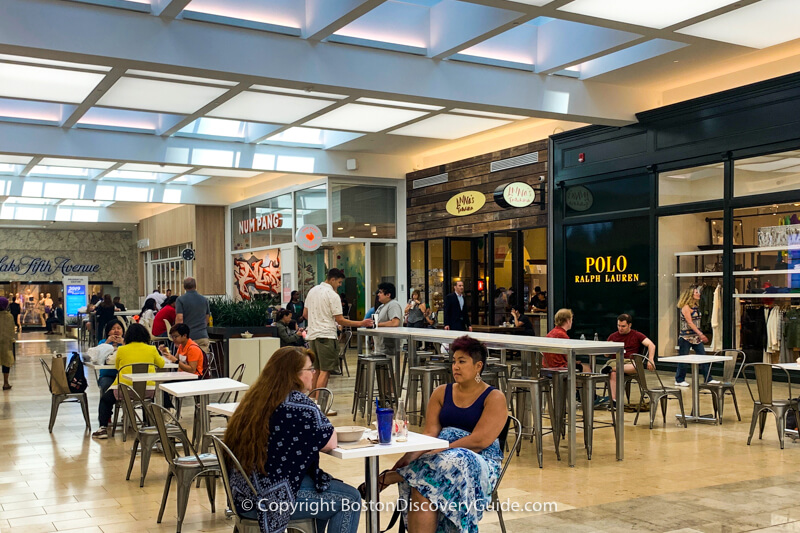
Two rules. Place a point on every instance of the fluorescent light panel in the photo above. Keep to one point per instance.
(649, 13)
(412, 105)
(449, 127)
(263, 107)
(164, 96)
(760, 25)
(302, 92)
(365, 118)
(41, 83)
(489, 114)
(179, 77)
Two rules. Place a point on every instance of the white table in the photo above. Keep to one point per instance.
(159, 377)
(696, 360)
(96, 367)
(789, 366)
(416, 442)
(527, 345)
(202, 389)
(226, 409)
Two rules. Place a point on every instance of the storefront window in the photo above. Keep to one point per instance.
(240, 238)
(363, 211)
(350, 259)
(383, 261)
(311, 207)
(691, 185)
(436, 289)
(417, 274)
(274, 217)
(766, 174)
(534, 262)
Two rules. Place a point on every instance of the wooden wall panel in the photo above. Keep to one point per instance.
(210, 247)
(173, 227)
(427, 218)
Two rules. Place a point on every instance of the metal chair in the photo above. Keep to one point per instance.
(728, 382)
(140, 387)
(216, 353)
(660, 394)
(226, 396)
(506, 462)
(324, 399)
(344, 343)
(183, 469)
(246, 525)
(765, 401)
(57, 399)
(147, 435)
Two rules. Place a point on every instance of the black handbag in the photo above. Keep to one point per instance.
(396, 517)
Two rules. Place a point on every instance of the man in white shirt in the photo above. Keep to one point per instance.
(322, 313)
(157, 296)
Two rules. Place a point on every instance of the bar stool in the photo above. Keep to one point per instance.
(423, 378)
(502, 372)
(370, 367)
(588, 383)
(526, 396)
(491, 378)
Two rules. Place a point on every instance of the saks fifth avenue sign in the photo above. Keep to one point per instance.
(607, 269)
(465, 203)
(265, 222)
(28, 265)
(517, 194)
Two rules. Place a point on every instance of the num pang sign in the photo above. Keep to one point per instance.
(261, 223)
(608, 269)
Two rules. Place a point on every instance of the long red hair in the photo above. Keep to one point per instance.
(247, 434)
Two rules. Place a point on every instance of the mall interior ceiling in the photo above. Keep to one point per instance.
(115, 110)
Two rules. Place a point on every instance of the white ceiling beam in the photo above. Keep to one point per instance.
(102, 174)
(168, 9)
(31, 164)
(476, 23)
(176, 176)
(90, 101)
(299, 123)
(172, 130)
(208, 49)
(326, 17)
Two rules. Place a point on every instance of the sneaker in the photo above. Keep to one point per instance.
(601, 400)
(101, 433)
(331, 412)
(682, 384)
(712, 382)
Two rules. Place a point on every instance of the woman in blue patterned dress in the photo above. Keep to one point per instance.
(447, 490)
(277, 433)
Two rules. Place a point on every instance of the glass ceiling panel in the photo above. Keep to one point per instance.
(49, 84)
(65, 172)
(138, 176)
(50, 62)
(163, 96)
(215, 127)
(30, 201)
(124, 119)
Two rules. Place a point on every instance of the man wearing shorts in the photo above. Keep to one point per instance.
(323, 313)
(635, 343)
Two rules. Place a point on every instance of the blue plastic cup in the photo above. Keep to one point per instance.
(385, 421)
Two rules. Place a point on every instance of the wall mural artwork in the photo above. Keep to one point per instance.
(260, 273)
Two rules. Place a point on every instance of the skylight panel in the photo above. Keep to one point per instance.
(364, 118)
(652, 14)
(288, 13)
(51, 62)
(126, 120)
(302, 92)
(62, 190)
(263, 107)
(133, 175)
(32, 111)
(305, 136)
(30, 201)
(227, 172)
(76, 163)
(41, 83)
(164, 96)
(64, 172)
(15, 159)
(449, 127)
(154, 169)
(412, 105)
(215, 127)
(179, 77)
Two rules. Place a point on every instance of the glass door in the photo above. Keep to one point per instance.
(466, 263)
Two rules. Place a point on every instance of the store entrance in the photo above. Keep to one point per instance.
(466, 261)
(35, 299)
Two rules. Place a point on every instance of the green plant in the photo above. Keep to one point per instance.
(247, 313)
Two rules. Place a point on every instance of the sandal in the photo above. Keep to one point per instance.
(362, 489)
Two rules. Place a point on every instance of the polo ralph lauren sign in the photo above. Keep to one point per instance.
(29, 265)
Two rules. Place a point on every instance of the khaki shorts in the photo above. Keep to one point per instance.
(327, 352)
(612, 363)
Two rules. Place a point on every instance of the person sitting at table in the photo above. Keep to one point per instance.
(539, 302)
(137, 349)
(104, 313)
(190, 357)
(277, 433)
(563, 323)
(448, 489)
(148, 314)
(288, 337)
(522, 321)
(114, 336)
(167, 312)
(635, 342)
(118, 304)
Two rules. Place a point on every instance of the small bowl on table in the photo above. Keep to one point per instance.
(349, 433)
(246, 335)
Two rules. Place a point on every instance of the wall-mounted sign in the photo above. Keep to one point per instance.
(465, 203)
(75, 293)
(27, 265)
(143, 243)
(308, 237)
(608, 269)
(275, 220)
(517, 194)
(579, 198)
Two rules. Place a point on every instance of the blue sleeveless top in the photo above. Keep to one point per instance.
(465, 418)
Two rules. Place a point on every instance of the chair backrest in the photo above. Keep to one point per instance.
(763, 376)
(237, 375)
(640, 364)
(324, 398)
(167, 325)
(344, 341)
(140, 387)
(226, 460)
(503, 439)
(127, 403)
(47, 373)
(732, 368)
(162, 417)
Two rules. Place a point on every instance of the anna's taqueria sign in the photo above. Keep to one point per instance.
(510, 195)
(465, 203)
(608, 269)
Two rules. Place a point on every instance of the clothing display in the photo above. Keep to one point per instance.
(791, 328)
(716, 320)
(706, 307)
(754, 333)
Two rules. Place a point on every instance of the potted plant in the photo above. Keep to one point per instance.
(231, 319)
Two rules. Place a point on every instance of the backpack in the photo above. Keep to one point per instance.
(76, 375)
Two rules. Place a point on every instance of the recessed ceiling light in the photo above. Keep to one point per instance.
(366, 118)
(262, 107)
(651, 14)
(759, 25)
(165, 96)
(340, 229)
(449, 127)
(374, 233)
(40, 83)
(366, 223)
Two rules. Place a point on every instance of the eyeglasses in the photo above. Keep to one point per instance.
(312, 370)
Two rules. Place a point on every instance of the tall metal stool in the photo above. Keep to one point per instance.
(503, 374)
(422, 378)
(369, 368)
(526, 396)
(587, 383)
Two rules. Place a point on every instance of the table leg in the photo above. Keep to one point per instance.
(620, 406)
(204, 422)
(157, 395)
(571, 406)
(371, 474)
(502, 356)
(359, 342)
(526, 365)
(695, 391)
(412, 354)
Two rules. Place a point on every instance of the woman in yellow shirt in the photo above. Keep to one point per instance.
(137, 349)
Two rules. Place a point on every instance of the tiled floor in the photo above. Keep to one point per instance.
(703, 478)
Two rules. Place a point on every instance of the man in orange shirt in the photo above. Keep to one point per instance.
(189, 356)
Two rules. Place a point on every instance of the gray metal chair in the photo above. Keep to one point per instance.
(730, 374)
(246, 525)
(146, 435)
(140, 387)
(183, 469)
(344, 343)
(57, 399)
(660, 394)
(765, 402)
(324, 398)
(506, 462)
